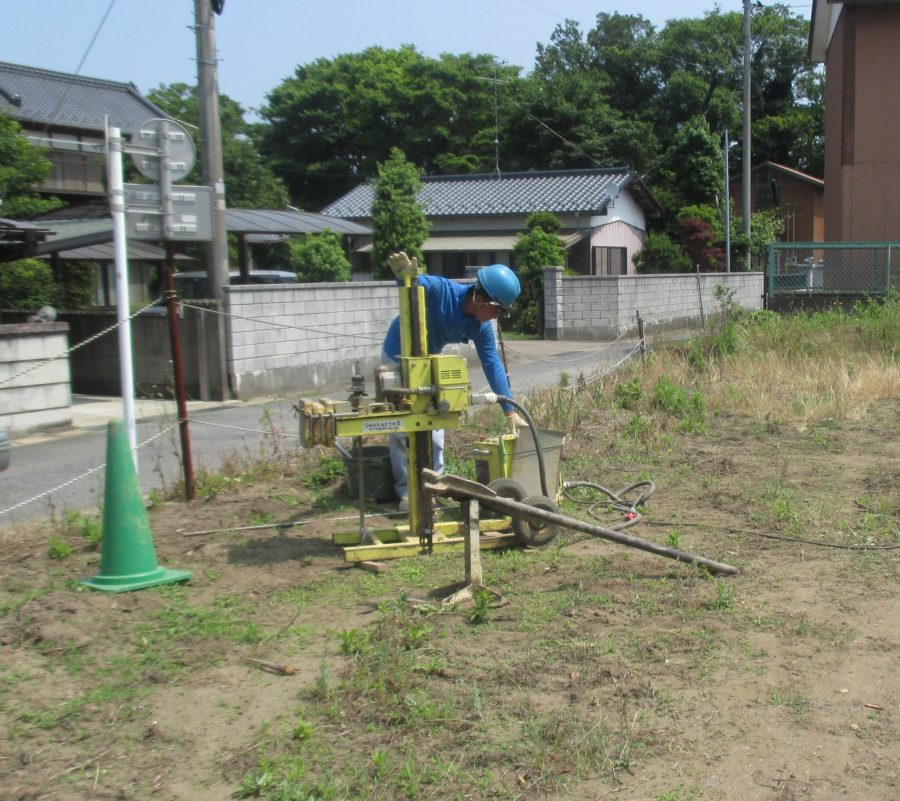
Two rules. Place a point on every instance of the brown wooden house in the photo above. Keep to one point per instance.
(798, 197)
(859, 43)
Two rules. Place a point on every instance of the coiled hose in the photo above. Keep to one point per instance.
(614, 500)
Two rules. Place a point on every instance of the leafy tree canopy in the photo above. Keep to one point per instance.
(22, 165)
(319, 257)
(249, 182)
(333, 121)
(27, 285)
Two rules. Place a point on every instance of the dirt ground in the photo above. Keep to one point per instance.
(607, 673)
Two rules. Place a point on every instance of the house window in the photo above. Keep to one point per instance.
(609, 261)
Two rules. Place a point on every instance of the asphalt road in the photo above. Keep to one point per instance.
(62, 470)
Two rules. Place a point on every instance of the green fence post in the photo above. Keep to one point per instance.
(887, 270)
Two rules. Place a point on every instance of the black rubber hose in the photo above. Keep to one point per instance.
(537, 443)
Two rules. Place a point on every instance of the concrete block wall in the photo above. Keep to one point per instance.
(41, 397)
(603, 307)
(287, 338)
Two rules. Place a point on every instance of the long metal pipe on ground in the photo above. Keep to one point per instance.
(462, 489)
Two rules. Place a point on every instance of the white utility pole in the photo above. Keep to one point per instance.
(211, 141)
(117, 208)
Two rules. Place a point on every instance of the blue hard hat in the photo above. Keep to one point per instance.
(500, 284)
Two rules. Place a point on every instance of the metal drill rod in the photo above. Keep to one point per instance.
(462, 489)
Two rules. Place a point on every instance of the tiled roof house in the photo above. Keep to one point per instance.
(475, 218)
(67, 114)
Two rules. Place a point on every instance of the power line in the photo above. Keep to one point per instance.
(87, 51)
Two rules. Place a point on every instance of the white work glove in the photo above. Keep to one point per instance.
(402, 265)
(515, 422)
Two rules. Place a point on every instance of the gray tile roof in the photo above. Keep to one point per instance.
(271, 221)
(33, 96)
(560, 192)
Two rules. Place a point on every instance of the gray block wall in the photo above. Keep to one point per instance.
(298, 337)
(603, 307)
(34, 385)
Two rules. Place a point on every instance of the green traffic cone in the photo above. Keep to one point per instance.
(127, 555)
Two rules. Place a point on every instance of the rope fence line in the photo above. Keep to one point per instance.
(85, 474)
(247, 430)
(585, 355)
(200, 421)
(81, 344)
(233, 316)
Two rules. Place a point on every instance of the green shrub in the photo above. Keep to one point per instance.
(27, 285)
(330, 469)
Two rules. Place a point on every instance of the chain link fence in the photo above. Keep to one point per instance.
(833, 267)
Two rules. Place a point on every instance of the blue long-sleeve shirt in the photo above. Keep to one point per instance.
(448, 323)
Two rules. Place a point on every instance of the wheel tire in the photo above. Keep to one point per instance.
(532, 534)
(508, 488)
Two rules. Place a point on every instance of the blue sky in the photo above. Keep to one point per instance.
(260, 42)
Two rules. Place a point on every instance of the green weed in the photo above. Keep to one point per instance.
(329, 470)
(482, 606)
(58, 548)
(629, 394)
(724, 600)
(84, 525)
(354, 643)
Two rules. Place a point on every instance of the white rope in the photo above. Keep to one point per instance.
(234, 316)
(81, 344)
(585, 355)
(83, 475)
(248, 430)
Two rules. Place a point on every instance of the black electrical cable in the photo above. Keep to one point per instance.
(534, 434)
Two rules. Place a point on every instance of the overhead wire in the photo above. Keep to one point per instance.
(86, 53)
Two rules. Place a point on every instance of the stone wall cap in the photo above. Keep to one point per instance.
(17, 329)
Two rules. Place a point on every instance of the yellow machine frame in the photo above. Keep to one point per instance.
(434, 394)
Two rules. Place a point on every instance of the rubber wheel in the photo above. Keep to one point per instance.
(535, 535)
(508, 488)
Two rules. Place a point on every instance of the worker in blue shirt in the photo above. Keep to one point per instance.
(454, 313)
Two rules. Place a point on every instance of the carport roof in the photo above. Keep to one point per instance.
(70, 234)
(139, 251)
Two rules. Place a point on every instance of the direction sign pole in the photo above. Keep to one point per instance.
(117, 208)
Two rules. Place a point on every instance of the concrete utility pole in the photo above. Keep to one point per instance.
(727, 208)
(745, 211)
(211, 142)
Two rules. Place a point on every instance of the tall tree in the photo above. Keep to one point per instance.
(332, 122)
(22, 165)
(249, 182)
(398, 222)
